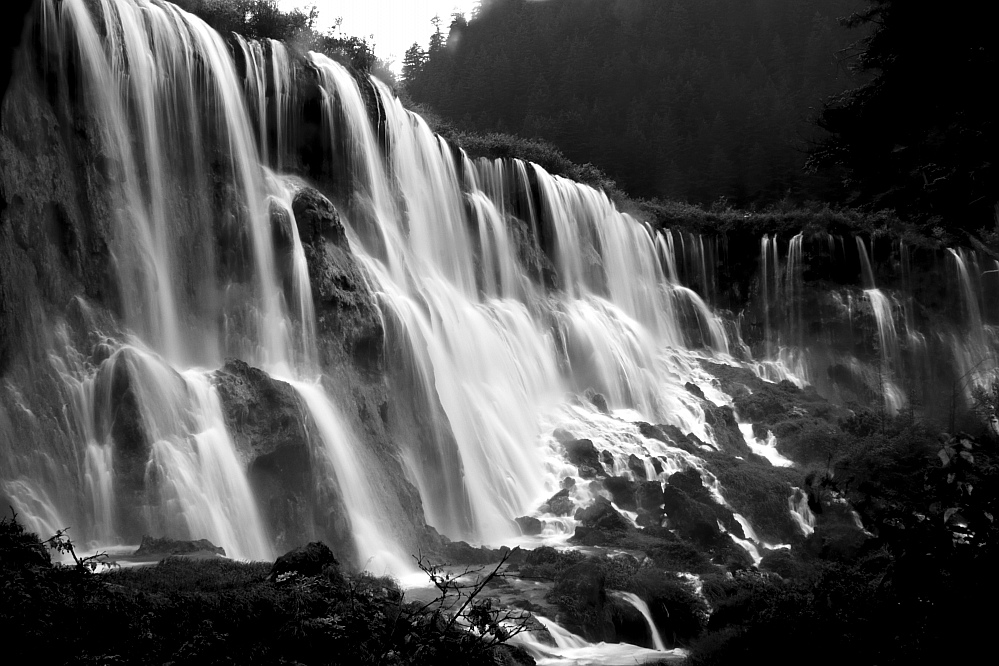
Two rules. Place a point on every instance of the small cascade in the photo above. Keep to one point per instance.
(797, 504)
(765, 448)
(571, 649)
(974, 349)
(370, 521)
(643, 608)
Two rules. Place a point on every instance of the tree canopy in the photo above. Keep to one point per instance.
(264, 19)
(920, 135)
(686, 99)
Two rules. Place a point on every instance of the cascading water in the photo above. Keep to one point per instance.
(505, 293)
(169, 110)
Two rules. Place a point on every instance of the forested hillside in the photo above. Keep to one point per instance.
(686, 99)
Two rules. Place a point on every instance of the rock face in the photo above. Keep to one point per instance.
(347, 320)
(694, 514)
(274, 436)
(581, 594)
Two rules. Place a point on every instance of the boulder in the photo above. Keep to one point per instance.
(694, 513)
(694, 389)
(725, 429)
(317, 218)
(461, 552)
(308, 560)
(347, 319)
(274, 434)
(563, 436)
(602, 516)
(649, 497)
(581, 595)
(598, 400)
(623, 491)
(559, 504)
(582, 454)
(637, 467)
(152, 547)
(529, 525)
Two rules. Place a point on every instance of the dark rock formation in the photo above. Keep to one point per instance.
(151, 547)
(274, 436)
(694, 513)
(637, 467)
(309, 560)
(348, 323)
(559, 504)
(581, 595)
(529, 525)
(582, 454)
(601, 516)
(622, 490)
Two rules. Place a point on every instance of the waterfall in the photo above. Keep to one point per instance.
(570, 649)
(507, 295)
(643, 608)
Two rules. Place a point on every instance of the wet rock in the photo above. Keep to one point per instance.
(637, 467)
(725, 429)
(582, 454)
(263, 414)
(559, 504)
(568, 483)
(671, 435)
(649, 497)
(317, 218)
(164, 547)
(460, 552)
(308, 560)
(581, 595)
(601, 515)
(598, 400)
(623, 491)
(694, 389)
(629, 623)
(607, 459)
(693, 512)
(273, 433)
(347, 319)
(281, 232)
(680, 555)
(529, 525)
(507, 654)
(563, 436)
(647, 519)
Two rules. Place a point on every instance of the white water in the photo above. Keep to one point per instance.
(497, 358)
(765, 448)
(571, 649)
(797, 503)
(643, 608)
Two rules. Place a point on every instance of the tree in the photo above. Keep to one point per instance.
(918, 134)
(412, 62)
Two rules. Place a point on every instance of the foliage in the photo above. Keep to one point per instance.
(928, 503)
(919, 135)
(264, 19)
(460, 605)
(680, 99)
(214, 611)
